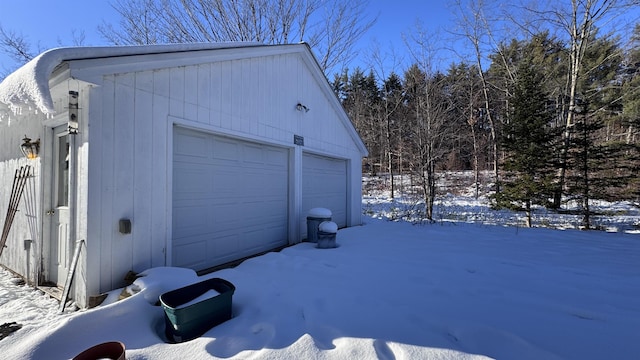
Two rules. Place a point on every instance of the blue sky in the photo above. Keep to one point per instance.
(50, 23)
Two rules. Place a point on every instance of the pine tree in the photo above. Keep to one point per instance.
(585, 160)
(631, 117)
(528, 142)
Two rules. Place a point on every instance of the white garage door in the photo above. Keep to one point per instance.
(324, 184)
(230, 199)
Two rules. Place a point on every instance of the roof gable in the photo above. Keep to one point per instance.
(30, 84)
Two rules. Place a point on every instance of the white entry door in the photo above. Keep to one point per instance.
(59, 211)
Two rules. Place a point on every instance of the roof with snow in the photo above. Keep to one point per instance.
(30, 83)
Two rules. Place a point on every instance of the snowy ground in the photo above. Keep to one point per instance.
(392, 290)
(458, 204)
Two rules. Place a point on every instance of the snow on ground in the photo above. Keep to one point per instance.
(391, 290)
(458, 204)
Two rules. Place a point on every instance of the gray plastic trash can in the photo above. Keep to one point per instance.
(327, 235)
(315, 217)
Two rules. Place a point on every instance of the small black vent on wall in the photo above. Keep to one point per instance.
(124, 226)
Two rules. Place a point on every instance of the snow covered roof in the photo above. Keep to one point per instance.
(30, 83)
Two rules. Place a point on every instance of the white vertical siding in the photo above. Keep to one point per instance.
(142, 178)
(203, 88)
(254, 98)
(93, 171)
(160, 173)
(104, 178)
(122, 165)
(176, 91)
(219, 76)
(133, 176)
(79, 289)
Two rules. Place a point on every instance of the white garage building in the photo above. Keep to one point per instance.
(185, 155)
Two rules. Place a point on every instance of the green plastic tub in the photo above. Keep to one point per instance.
(187, 318)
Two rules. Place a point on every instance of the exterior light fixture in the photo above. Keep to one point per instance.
(29, 148)
(301, 107)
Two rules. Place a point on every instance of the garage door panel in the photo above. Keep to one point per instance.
(227, 244)
(257, 186)
(276, 159)
(189, 184)
(190, 220)
(224, 215)
(225, 151)
(190, 254)
(191, 144)
(226, 183)
(262, 212)
(253, 155)
(239, 205)
(324, 184)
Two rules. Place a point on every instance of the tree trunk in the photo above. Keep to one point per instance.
(629, 137)
(586, 217)
(579, 34)
(393, 185)
(430, 188)
(494, 138)
(476, 171)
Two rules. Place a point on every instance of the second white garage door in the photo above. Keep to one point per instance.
(324, 184)
(230, 199)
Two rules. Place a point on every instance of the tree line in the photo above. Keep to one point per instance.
(548, 132)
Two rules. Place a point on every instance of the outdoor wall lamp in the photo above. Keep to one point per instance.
(29, 148)
(301, 107)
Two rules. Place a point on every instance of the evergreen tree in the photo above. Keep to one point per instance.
(360, 96)
(528, 142)
(599, 170)
(585, 158)
(631, 90)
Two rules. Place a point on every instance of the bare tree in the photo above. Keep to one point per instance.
(466, 97)
(16, 46)
(388, 111)
(141, 23)
(78, 38)
(20, 50)
(474, 27)
(331, 27)
(431, 135)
